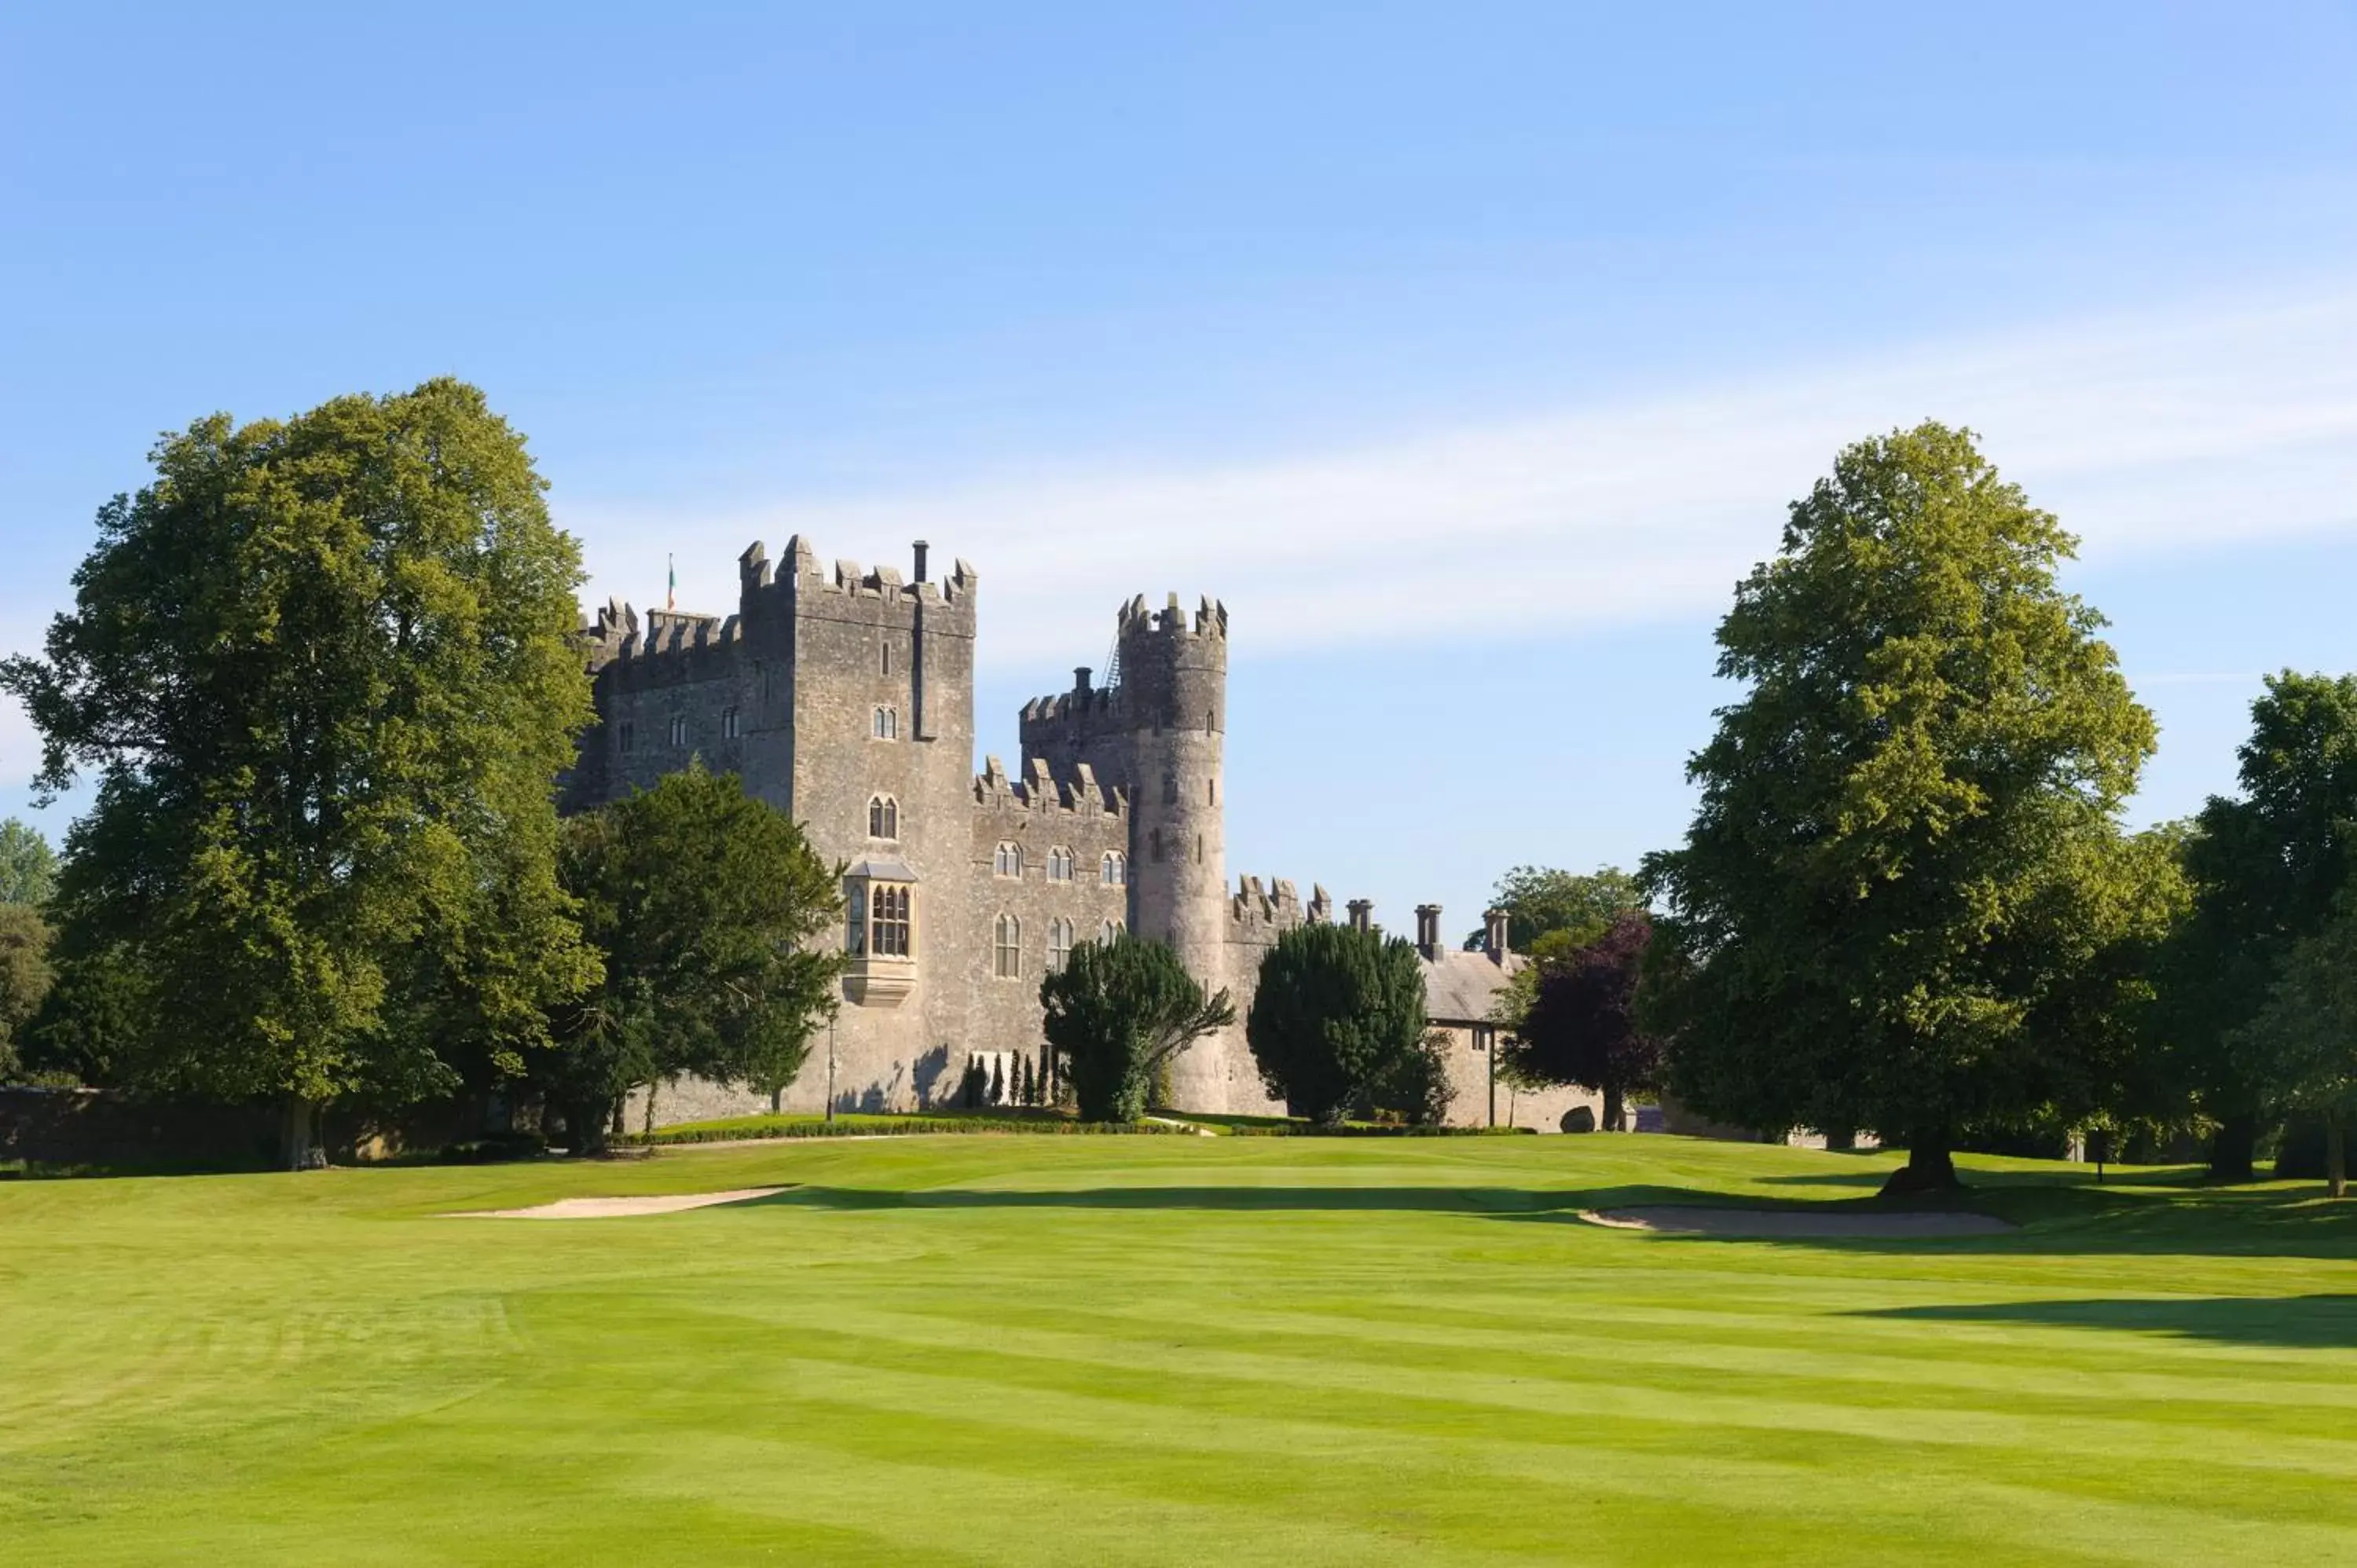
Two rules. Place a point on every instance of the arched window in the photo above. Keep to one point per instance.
(630, 736)
(1113, 929)
(1116, 869)
(1060, 944)
(888, 724)
(883, 817)
(729, 728)
(887, 920)
(1008, 950)
(1059, 863)
(1007, 860)
(678, 730)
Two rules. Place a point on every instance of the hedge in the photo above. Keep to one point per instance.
(896, 1126)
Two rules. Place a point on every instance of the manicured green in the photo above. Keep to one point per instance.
(1183, 1350)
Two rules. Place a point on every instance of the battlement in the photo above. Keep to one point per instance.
(1210, 619)
(1256, 914)
(1083, 704)
(798, 573)
(673, 645)
(1039, 790)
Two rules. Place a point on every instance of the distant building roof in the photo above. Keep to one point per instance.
(1459, 986)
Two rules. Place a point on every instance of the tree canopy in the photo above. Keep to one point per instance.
(1337, 1017)
(28, 866)
(1581, 1027)
(1542, 901)
(322, 670)
(1907, 851)
(703, 903)
(1117, 1014)
(2303, 1040)
(25, 977)
(2265, 867)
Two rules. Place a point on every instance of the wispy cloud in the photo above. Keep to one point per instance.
(2145, 434)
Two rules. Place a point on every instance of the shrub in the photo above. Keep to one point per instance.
(1116, 1013)
(1338, 1015)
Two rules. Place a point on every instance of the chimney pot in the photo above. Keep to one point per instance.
(921, 547)
(1080, 677)
(1427, 931)
(1494, 940)
(1361, 914)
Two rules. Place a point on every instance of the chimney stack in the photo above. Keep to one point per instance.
(1427, 931)
(1361, 914)
(921, 548)
(1494, 939)
(1080, 677)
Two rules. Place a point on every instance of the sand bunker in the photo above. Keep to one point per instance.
(1672, 1219)
(620, 1208)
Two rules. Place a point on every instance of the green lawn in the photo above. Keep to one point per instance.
(1188, 1350)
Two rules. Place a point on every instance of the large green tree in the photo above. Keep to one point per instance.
(1906, 857)
(1117, 1015)
(2266, 866)
(1581, 1027)
(2302, 1043)
(1574, 907)
(25, 977)
(705, 904)
(28, 867)
(322, 671)
(1338, 1017)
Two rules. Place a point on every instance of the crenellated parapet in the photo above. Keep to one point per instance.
(1039, 792)
(798, 580)
(1257, 913)
(1210, 619)
(670, 648)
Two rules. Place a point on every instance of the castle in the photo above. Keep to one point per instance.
(845, 698)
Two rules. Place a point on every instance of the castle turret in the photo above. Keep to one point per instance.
(1158, 727)
(1174, 699)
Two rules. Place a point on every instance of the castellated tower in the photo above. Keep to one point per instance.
(1157, 731)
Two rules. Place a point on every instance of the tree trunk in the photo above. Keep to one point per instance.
(777, 1099)
(2233, 1147)
(1613, 1110)
(1930, 1167)
(299, 1137)
(2336, 1155)
(586, 1122)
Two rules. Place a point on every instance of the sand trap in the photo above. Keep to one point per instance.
(620, 1208)
(1671, 1219)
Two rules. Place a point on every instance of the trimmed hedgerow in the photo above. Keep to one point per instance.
(887, 1126)
(1311, 1129)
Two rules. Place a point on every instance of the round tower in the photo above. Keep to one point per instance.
(1174, 707)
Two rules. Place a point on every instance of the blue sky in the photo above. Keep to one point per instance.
(1469, 352)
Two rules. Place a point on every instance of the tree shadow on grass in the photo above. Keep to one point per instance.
(2052, 1218)
(2305, 1321)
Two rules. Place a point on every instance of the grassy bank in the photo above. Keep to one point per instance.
(1183, 1350)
